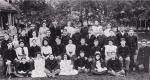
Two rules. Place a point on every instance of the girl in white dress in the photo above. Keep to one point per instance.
(39, 64)
(66, 67)
(34, 36)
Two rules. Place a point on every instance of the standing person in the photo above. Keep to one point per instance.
(42, 31)
(107, 30)
(52, 67)
(15, 41)
(65, 37)
(66, 67)
(70, 29)
(34, 49)
(46, 50)
(99, 66)
(71, 49)
(58, 49)
(90, 38)
(132, 42)
(109, 49)
(101, 38)
(84, 29)
(55, 29)
(112, 37)
(123, 53)
(115, 67)
(96, 27)
(34, 36)
(143, 57)
(4, 48)
(39, 67)
(121, 34)
(76, 37)
(23, 37)
(51, 40)
(31, 29)
(9, 57)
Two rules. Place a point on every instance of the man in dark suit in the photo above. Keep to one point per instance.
(90, 38)
(76, 37)
(143, 56)
(132, 42)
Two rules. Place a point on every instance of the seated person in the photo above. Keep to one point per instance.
(66, 67)
(115, 67)
(71, 50)
(124, 54)
(9, 56)
(23, 63)
(80, 63)
(99, 66)
(39, 67)
(143, 57)
(52, 67)
(34, 49)
(46, 50)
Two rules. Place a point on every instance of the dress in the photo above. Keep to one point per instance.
(39, 65)
(66, 68)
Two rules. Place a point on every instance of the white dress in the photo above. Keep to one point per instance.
(66, 68)
(39, 65)
(108, 51)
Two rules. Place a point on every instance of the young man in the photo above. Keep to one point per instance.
(143, 57)
(65, 37)
(114, 66)
(50, 39)
(124, 54)
(9, 56)
(52, 67)
(101, 38)
(132, 42)
(58, 49)
(84, 29)
(23, 63)
(23, 37)
(76, 37)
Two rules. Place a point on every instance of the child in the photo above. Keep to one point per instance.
(114, 66)
(66, 67)
(46, 49)
(71, 49)
(39, 65)
(99, 66)
(52, 67)
(80, 63)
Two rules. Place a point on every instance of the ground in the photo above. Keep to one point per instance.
(130, 76)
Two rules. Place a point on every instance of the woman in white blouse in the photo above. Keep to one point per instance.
(46, 49)
(109, 49)
(34, 36)
(70, 49)
(15, 41)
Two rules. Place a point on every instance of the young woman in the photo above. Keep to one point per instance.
(46, 49)
(34, 36)
(39, 67)
(15, 41)
(66, 67)
(99, 66)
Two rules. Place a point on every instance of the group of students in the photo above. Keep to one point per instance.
(70, 51)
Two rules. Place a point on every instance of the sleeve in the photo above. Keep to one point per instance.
(74, 50)
(50, 49)
(42, 51)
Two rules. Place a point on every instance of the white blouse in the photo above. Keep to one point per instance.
(38, 42)
(46, 50)
(109, 49)
(70, 48)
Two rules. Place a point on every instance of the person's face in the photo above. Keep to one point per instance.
(110, 43)
(108, 26)
(48, 33)
(100, 31)
(131, 32)
(6, 36)
(97, 57)
(82, 41)
(10, 45)
(44, 24)
(51, 57)
(96, 23)
(113, 56)
(85, 23)
(58, 41)
(21, 44)
(15, 37)
(96, 43)
(143, 44)
(38, 55)
(45, 43)
(65, 31)
(32, 26)
(123, 42)
(55, 23)
(70, 41)
(122, 29)
(77, 30)
(82, 54)
(65, 57)
(69, 23)
(111, 32)
(34, 34)
(90, 31)
(23, 33)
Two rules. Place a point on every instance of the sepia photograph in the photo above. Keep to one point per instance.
(74, 39)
